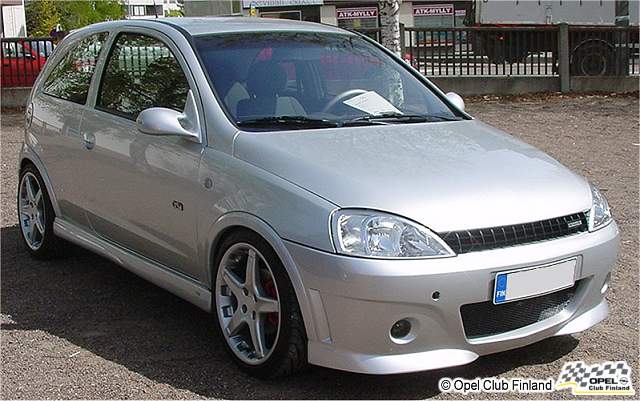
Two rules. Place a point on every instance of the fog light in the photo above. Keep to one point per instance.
(605, 286)
(400, 329)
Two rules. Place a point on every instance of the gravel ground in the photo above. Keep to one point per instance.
(84, 328)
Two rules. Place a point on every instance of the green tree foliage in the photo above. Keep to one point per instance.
(44, 15)
(176, 13)
(76, 14)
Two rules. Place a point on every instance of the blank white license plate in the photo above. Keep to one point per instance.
(532, 281)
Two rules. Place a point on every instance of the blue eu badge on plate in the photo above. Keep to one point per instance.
(501, 289)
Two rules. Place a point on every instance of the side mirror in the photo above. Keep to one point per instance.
(163, 121)
(456, 100)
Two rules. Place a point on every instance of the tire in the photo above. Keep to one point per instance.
(285, 347)
(509, 51)
(494, 51)
(592, 58)
(517, 53)
(43, 244)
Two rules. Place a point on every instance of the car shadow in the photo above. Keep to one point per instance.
(112, 313)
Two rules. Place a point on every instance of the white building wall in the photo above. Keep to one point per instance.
(13, 21)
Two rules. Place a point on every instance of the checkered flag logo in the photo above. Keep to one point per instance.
(578, 375)
(572, 372)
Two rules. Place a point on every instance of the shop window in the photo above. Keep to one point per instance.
(433, 16)
(292, 15)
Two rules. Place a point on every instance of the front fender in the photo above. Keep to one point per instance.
(249, 221)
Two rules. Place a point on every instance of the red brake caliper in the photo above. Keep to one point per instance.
(270, 288)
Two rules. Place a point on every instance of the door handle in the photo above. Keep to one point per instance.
(89, 141)
(28, 115)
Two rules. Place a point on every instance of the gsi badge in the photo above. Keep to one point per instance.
(178, 205)
(573, 224)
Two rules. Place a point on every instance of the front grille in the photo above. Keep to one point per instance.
(485, 318)
(500, 237)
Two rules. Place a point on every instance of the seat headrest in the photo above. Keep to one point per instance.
(266, 78)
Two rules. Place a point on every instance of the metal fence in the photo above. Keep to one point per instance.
(462, 51)
(604, 51)
(519, 51)
(23, 59)
(482, 51)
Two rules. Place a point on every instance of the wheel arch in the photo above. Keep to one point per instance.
(28, 156)
(233, 221)
(589, 41)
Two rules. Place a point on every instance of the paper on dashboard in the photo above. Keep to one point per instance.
(372, 103)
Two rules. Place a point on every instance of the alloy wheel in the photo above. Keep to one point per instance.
(31, 211)
(248, 303)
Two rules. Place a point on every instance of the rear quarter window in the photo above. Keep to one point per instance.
(70, 79)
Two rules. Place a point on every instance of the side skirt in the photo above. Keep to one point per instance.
(169, 279)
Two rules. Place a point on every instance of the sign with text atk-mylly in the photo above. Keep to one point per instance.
(356, 13)
(433, 10)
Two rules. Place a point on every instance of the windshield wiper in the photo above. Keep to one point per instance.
(399, 117)
(299, 122)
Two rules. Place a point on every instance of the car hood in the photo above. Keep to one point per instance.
(447, 176)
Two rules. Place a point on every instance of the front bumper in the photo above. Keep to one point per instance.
(355, 301)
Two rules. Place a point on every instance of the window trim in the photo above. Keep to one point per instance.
(57, 58)
(112, 45)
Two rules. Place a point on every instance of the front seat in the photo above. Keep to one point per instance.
(266, 81)
(225, 80)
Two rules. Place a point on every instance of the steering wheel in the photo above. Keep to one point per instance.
(342, 96)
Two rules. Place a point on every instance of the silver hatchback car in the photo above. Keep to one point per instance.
(327, 203)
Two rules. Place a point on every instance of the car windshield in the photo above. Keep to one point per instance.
(297, 80)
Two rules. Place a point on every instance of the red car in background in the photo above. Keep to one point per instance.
(22, 60)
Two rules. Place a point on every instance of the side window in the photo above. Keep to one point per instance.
(71, 78)
(12, 50)
(141, 72)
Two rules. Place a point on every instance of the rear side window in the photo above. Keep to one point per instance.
(141, 72)
(71, 77)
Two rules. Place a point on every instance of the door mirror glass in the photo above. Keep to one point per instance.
(165, 121)
(456, 100)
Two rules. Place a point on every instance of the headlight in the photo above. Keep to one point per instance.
(380, 235)
(600, 213)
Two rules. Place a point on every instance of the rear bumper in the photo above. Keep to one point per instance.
(355, 301)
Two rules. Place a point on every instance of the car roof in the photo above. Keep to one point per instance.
(195, 26)
(211, 25)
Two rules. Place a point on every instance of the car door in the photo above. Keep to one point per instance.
(143, 190)
(58, 104)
